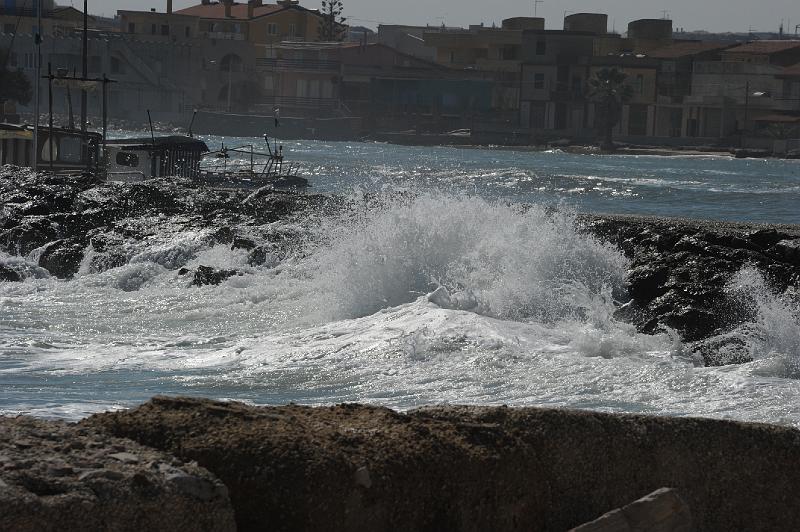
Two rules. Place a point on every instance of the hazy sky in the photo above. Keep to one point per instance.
(713, 15)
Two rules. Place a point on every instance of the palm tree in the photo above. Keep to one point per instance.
(609, 90)
(14, 84)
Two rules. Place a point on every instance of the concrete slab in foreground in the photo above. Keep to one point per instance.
(354, 467)
(60, 477)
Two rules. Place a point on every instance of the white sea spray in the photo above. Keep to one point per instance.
(772, 337)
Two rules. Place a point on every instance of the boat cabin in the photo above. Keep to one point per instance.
(144, 158)
(62, 151)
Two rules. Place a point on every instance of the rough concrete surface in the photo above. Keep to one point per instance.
(60, 477)
(354, 467)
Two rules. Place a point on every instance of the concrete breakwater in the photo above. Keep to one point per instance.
(353, 467)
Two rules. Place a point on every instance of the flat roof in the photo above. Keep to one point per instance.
(687, 49)
(765, 47)
(238, 11)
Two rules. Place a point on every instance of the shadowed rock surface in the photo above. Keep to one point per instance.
(59, 477)
(661, 511)
(70, 218)
(680, 269)
(354, 467)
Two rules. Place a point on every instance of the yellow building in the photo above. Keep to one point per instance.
(56, 20)
(485, 49)
(256, 22)
(154, 25)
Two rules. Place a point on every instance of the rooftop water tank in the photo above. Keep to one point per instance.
(596, 23)
(523, 23)
(650, 28)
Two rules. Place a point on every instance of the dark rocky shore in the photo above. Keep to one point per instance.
(192, 464)
(64, 218)
(680, 268)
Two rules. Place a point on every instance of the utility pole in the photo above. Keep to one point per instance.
(746, 103)
(230, 80)
(38, 41)
(85, 63)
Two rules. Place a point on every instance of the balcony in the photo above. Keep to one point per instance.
(225, 36)
(498, 65)
(297, 102)
(21, 12)
(567, 95)
(297, 65)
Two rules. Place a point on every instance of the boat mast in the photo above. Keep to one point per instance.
(38, 42)
(85, 57)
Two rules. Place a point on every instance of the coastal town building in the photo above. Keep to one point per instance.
(517, 80)
(746, 85)
(148, 75)
(21, 17)
(409, 40)
(556, 69)
(674, 116)
(258, 23)
(384, 88)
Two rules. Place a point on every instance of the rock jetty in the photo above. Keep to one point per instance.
(678, 277)
(680, 269)
(67, 219)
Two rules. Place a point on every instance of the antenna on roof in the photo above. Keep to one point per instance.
(536, 5)
(152, 133)
(665, 14)
(191, 124)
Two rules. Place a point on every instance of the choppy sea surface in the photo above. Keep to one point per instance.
(467, 291)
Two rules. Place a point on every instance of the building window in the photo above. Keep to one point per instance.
(639, 84)
(127, 159)
(272, 29)
(538, 81)
(153, 29)
(9, 29)
(188, 32)
(541, 47)
(164, 29)
(637, 121)
(70, 150)
(116, 66)
(292, 30)
(131, 27)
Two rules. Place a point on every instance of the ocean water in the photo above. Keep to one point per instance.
(466, 288)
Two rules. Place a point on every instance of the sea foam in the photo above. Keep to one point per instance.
(501, 260)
